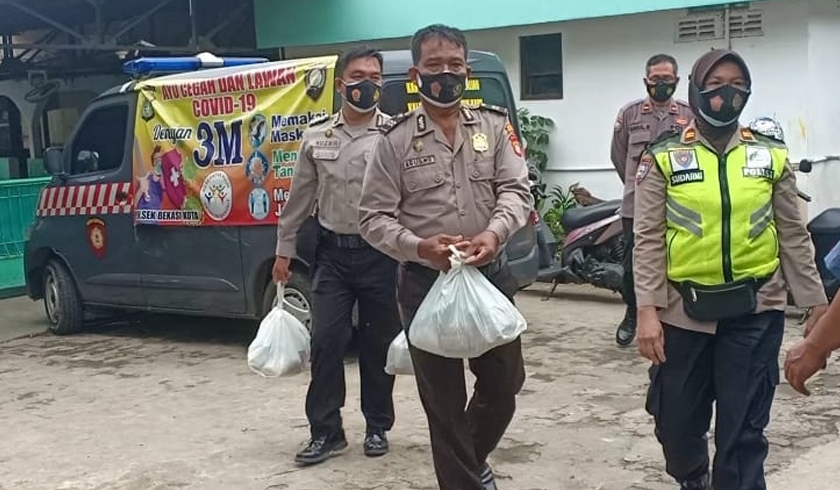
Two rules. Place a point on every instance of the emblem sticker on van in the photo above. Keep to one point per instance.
(97, 238)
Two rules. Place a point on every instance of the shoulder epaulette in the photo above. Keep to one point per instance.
(319, 120)
(393, 122)
(665, 136)
(501, 110)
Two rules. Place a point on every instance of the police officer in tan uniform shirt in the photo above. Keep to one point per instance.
(712, 341)
(637, 124)
(330, 168)
(450, 174)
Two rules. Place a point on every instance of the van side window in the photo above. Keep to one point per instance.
(99, 145)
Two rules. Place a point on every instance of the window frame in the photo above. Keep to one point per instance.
(69, 147)
(525, 76)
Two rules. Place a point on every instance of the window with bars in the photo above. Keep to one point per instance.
(541, 67)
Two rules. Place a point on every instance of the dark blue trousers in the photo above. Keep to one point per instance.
(738, 370)
(341, 277)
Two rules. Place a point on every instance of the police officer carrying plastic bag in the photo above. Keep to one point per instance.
(450, 174)
(281, 347)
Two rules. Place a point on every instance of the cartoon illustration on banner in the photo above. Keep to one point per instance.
(221, 151)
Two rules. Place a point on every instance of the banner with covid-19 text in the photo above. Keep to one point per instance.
(218, 147)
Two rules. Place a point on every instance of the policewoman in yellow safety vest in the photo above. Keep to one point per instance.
(719, 236)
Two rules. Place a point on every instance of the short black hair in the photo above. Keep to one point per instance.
(356, 53)
(451, 34)
(658, 59)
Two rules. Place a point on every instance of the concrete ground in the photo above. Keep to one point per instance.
(170, 403)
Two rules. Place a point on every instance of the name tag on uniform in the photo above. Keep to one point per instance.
(324, 154)
(685, 168)
(418, 162)
(330, 143)
(759, 163)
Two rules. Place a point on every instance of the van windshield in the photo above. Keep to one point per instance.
(400, 96)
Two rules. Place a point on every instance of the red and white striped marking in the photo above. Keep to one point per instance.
(83, 200)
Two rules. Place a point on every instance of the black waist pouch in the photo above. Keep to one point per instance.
(722, 302)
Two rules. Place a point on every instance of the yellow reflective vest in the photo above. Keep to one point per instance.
(719, 210)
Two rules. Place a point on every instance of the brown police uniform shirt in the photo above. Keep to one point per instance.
(418, 186)
(330, 168)
(797, 270)
(637, 124)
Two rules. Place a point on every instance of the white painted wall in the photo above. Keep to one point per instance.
(795, 69)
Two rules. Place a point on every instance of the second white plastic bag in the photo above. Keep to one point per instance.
(464, 315)
(281, 347)
(399, 357)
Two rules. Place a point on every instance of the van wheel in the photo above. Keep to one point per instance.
(297, 299)
(62, 302)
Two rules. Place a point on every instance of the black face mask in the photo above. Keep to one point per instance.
(720, 107)
(363, 95)
(442, 89)
(661, 91)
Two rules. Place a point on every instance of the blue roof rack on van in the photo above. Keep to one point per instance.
(142, 67)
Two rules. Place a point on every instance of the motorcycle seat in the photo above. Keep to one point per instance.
(578, 217)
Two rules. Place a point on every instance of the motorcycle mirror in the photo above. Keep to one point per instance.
(805, 166)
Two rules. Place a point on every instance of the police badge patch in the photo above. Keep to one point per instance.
(683, 160)
(643, 169)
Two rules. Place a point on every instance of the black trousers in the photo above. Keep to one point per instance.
(738, 369)
(628, 293)
(341, 277)
(462, 439)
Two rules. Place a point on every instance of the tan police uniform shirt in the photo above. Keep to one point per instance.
(418, 186)
(797, 270)
(330, 168)
(637, 124)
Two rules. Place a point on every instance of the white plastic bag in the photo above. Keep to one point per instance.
(399, 357)
(281, 347)
(464, 315)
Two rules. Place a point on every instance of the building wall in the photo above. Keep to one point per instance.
(794, 66)
(314, 22)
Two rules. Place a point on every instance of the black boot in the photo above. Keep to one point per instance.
(321, 448)
(376, 443)
(627, 329)
(701, 483)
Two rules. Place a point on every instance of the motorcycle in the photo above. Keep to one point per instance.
(824, 230)
(593, 249)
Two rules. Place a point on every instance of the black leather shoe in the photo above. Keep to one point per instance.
(701, 483)
(487, 478)
(376, 443)
(322, 448)
(627, 329)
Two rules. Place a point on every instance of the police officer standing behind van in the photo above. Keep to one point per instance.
(447, 174)
(329, 171)
(637, 124)
(718, 237)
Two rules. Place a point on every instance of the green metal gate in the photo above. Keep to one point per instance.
(18, 201)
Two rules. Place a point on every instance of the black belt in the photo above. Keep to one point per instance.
(342, 241)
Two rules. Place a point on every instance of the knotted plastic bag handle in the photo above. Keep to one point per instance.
(456, 257)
